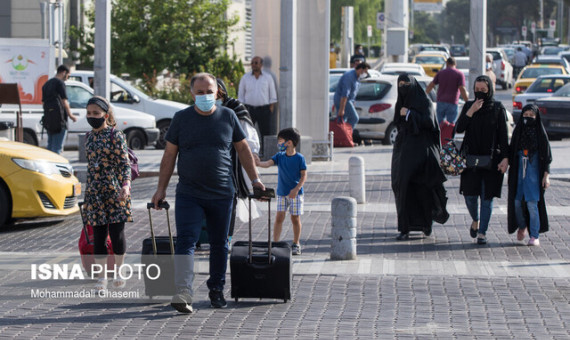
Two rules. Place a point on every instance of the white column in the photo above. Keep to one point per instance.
(102, 62)
(477, 42)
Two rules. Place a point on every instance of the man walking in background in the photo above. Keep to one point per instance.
(56, 109)
(257, 92)
(451, 83)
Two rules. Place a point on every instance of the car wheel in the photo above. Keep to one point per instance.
(391, 134)
(5, 206)
(136, 140)
(163, 127)
(30, 138)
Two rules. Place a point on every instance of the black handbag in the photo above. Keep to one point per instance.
(479, 161)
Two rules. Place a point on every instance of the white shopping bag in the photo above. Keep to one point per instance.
(242, 210)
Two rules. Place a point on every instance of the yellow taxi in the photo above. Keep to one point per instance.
(431, 62)
(529, 74)
(35, 182)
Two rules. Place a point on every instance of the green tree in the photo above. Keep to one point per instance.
(364, 15)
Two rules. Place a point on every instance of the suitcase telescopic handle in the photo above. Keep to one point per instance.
(164, 205)
(80, 205)
(268, 198)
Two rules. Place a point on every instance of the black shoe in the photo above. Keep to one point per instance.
(182, 302)
(403, 236)
(217, 299)
(473, 232)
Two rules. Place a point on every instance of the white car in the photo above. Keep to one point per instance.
(140, 128)
(412, 69)
(125, 95)
(502, 67)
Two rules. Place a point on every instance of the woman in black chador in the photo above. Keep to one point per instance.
(530, 158)
(417, 178)
(484, 122)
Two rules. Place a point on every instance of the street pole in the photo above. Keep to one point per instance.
(560, 18)
(477, 40)
(102, 62)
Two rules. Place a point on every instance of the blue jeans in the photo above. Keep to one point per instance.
(189, 214)
(55, 141)
(446, 110)
(472, 203)
(350, 115)
(534, 217)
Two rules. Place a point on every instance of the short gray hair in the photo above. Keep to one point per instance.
(203, 76)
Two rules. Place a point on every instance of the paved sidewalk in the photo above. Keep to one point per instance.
(439, 287)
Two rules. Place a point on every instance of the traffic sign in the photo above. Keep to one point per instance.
(552, 24)
(380, 20)
(524, 31)
(533, 27)
(369, 29)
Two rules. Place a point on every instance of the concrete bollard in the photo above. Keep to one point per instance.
(343, 232)
(81, 148)
(357, 181)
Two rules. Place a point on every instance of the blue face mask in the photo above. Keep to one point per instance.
(205, 102)
(219, 102)
(282, 146)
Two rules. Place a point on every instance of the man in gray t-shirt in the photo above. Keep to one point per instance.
(202, 136)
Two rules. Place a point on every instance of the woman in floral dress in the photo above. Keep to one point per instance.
(108, 194)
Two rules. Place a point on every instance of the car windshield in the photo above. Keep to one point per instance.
(547, 85)
(130, 88)
(552, 50)
(496, 55)
(429, 60)
(459, 49)
(333, 81)
(510, 52)
(77, 96)
(372, 91)
(564, 91)
(460, 63)
(402, 71)
(540, 71)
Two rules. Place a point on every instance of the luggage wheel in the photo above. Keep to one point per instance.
(236, 299)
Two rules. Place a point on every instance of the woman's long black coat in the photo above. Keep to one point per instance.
(485, 130)
(417, 178)
(544, 158)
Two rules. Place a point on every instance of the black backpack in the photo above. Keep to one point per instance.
(53, 119)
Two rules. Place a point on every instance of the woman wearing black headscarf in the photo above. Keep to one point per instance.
(484, 122)
(530, 157)
(417, 178)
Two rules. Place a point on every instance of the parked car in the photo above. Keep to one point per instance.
(140, 128)
(462, 64)
(551, 59)
(432, 62)
(552, 50)
(554, 113)
(542, 87)
(399, 68)
(529, 74)
(125, 95)
(458, 50)
(35, 182)
(375, 104)
(416, 49)
(334, 77)
(502, 67)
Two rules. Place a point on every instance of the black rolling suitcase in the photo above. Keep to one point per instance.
(159, 251)
(261, 269)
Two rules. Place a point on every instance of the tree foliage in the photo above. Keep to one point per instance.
(364, 15)
(182, 36)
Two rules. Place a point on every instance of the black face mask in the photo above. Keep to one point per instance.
(528, 121)
(480, 95)
(96, 122)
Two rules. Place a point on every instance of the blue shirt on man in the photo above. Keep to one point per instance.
(204, 145)
(288, 171)
(348, 86)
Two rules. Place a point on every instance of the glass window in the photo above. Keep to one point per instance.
(537, 72)
(372, 91)
(77, 96)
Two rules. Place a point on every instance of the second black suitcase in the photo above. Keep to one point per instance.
(158, 251)
(261, 269)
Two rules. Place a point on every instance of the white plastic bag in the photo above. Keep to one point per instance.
(242, 210)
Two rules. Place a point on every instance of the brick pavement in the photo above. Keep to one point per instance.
(443, 286)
